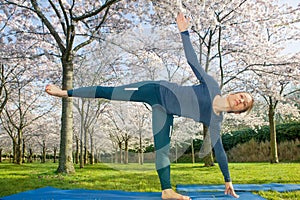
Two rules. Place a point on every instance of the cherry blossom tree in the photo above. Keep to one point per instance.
(19, 56)
(22, 109)
(98, 67)
(5, 143)
(185, 131)
(44, 134)
(68, 27)
(272, 74)
(129, 127)
(142, 130)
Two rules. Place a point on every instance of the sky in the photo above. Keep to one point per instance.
(290, 2)
(292, 46)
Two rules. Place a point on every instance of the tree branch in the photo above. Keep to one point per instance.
(225, 16)
(59, 16)
(64, 13)
(21, 6)
(96, 11)
(259, 70)
(220, 58)
(292, 92)
(48, 24)
(91, 39)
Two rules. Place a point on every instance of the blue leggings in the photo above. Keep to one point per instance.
(162, 122)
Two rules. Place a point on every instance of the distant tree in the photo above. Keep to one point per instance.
(69, 27)
(22, 109)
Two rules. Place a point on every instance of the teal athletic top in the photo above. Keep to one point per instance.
(195, 102)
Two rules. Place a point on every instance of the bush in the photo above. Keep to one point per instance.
(247, 145)
(254, 151)
(285, 132)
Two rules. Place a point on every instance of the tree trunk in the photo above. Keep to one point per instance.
(43, 159)
(54, 154)
(126, 152)
(29, 159)
(96, 157)
(208, 159)
(66, 137)
(81, 157)
(0, 155)
(273, 142)
(140, 153)
(86, 152)
(193, 151)
(86, 155)
(121, 155)
(14, 155)
(141, 157)
(92, 158)
(81, 160)
(176, 151)
(77, 151)
(19, 148)
(23, 151)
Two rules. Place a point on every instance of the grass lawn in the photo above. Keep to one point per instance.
(132, 177)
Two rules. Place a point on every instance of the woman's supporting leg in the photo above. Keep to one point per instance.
(162, 126)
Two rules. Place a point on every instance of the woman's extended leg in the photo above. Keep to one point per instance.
(147, 91)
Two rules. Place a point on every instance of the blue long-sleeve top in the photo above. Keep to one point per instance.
(196, 102)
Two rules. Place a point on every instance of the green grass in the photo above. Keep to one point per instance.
(132, 177)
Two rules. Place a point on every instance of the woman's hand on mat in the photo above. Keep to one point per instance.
(229, 190)
(182, 22)
(56, 91)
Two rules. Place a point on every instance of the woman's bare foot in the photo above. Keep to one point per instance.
(56, 91)
(170, 194)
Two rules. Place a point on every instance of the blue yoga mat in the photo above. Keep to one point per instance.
(240, 187)
(54, 194)
(222, 196)
(196, 192)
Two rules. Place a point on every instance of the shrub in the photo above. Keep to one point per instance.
(253, 151)
(284, 132)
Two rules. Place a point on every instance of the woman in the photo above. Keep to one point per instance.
(202, 102)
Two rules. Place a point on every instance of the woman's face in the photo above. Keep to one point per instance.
(239, 102)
